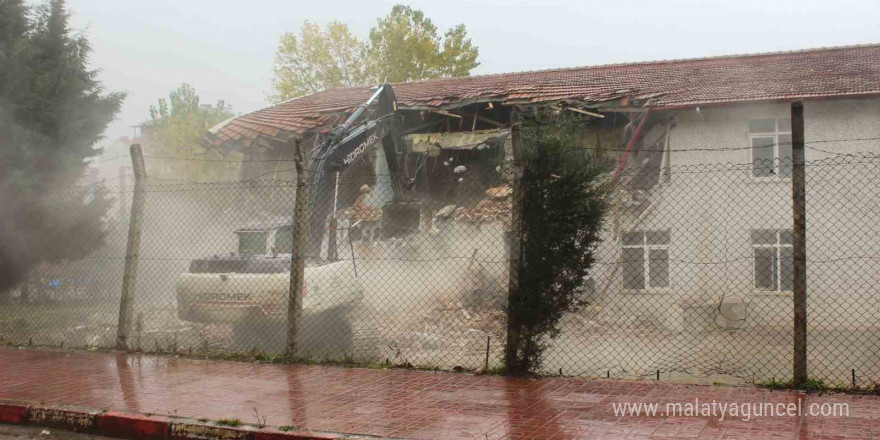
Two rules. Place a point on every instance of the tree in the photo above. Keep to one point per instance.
(564, 200)
(403, 46)
(53, 110)
(317, 60)
(176, 127)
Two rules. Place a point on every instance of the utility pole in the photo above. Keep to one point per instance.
(133, 249)
(799, 246)
(300, 244)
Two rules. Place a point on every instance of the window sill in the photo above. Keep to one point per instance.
(649, 291)
(755, 179)
(773, 293)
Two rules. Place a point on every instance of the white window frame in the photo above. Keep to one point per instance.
(778, 247)
(777, 176)
(646, 257)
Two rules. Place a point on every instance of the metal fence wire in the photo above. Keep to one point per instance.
(693, 277)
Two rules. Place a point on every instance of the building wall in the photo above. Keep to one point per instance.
(711, 203)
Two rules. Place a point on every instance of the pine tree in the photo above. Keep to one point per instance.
(53, 109)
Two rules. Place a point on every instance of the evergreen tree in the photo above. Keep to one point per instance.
(53, 110)
(564, 199)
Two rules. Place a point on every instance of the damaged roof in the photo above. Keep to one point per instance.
(455, 140)
(812, 73)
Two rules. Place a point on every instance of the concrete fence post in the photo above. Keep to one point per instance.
(300, 243)
(123, 182)
(511, 357)
(799, 245)
(132, 250)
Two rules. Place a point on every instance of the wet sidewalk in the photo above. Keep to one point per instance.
(404, 404)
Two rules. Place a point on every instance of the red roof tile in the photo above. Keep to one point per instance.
(812, 73)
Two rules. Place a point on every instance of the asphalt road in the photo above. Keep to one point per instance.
(8, 432)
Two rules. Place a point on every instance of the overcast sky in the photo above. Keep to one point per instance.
(225, 49)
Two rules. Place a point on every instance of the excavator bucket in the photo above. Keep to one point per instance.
(400, 219)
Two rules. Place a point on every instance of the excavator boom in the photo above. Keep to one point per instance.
(347, 143)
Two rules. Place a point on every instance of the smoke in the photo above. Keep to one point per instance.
(46, 225)
(45, 216)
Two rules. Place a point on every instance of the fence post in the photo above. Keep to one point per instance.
(132, 250)
(300, 242)
(123, 182)
(799, 246)
(515, 248)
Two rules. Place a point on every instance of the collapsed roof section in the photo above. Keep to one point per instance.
(850, 71)
(433, 143)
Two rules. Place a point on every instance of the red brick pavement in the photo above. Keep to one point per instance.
(403, 404)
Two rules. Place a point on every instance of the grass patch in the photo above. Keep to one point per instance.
(23, 323)
(499, 370)
(811, 384)
(286, 428)
(229, 422)
(259, 357)
(819, 386)
(26, 315)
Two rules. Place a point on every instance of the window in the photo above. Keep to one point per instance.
(251, 242)
(774, 266)
(771, 147)
(645, 259)
(284, 239)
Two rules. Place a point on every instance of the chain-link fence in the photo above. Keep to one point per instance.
(693, 278)
(216, 259)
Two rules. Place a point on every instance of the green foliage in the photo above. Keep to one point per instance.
(403, 46)
(317, 59)
(229, 422)
(811, 384)
(177, 125)
(564, 200)
(53, 110)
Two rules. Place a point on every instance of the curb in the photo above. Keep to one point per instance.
(138, 426)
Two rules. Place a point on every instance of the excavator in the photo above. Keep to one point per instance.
(249, 289)
(347, 143)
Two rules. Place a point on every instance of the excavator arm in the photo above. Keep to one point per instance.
(346, 143)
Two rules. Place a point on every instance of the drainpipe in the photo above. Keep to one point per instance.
(631, 144)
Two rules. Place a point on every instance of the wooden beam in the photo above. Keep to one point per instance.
(490, 121)
(421, 127)
(577, 110)
(581, 111)
(446, 113)
(621, 109)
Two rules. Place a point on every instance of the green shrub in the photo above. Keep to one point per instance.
(564, 199)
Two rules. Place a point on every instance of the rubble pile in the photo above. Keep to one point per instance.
(360, 211)
(495, 207)
(450, 333)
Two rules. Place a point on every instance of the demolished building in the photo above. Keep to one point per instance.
(647, 118)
